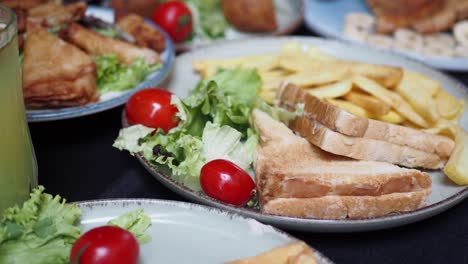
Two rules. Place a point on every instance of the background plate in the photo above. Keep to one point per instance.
(110, 99)
(190, 233)
(326, 17)
(289, 16)
(444, 195)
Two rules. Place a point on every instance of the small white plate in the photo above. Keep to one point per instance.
(326, 17)
(289, 16)
(190, 233)
(112, 99)
(445, 193)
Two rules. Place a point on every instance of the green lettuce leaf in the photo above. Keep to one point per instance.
(128, 138)
(136, 222)
(113, 76)
(41, 231)
(208, 19)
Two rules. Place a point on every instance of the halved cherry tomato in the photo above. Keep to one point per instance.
(105, 245)
(227, 182)
(175, 18)
(152, 108)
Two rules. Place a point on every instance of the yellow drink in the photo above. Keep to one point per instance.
(17, 160)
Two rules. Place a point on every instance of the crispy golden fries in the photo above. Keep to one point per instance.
(385, 75)
(447, 105)
(418, 96)
(391, 98)
(350, 107)
(334, 90)
(391, 117)
(457, 167)
(370, 103)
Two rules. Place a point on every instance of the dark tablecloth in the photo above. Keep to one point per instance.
(76, 160)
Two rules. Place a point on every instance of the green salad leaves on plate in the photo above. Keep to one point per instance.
(113, 76)
(208, 19)
(44, 229)
(214, 125)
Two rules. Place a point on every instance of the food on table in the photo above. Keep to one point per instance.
(122, 60)
(417, 26)
(342, 133)
(175, 18)
(457, 167)
(295, 178)
(152, 108)
(141, 7)
(293, 253)
(44, 229)
(250, 16)
(426, 16)
(55, 14)
(144, 34)
(105, 245)
(214, 124)
(98, 44)
(47, 82)
(25, 4)
(227, 182)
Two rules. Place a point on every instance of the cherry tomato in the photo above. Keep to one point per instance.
(175, 18)
(225, 181)
(105, 245)
(152, 108)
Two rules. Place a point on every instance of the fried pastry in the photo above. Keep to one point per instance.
(97, 44)
(144, 34)
(53, 14)
(250, 16)
(55, 73)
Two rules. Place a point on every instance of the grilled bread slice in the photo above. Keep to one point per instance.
(295, 178)
(349, 124)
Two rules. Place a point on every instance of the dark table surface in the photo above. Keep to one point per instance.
(76, 160)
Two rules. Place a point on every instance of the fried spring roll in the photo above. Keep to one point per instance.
(53, 14)
(144, 34)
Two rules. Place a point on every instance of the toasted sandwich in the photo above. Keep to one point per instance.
(342, 133)
(295, 178)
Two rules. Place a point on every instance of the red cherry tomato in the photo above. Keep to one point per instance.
(152, 108)
(225, 181)
(105, 245)
(175, 18)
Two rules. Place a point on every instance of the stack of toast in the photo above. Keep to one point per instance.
(340, 165)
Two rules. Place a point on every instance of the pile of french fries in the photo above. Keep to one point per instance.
(386, 93)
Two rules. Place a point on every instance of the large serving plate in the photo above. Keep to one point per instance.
(289, 16)
(108, 100)
(190, 233)
(445, 194)
(327, 19)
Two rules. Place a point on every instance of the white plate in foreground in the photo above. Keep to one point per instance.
(190, 233)
(445, 193)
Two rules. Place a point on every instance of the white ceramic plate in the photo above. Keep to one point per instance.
(190, 233)
(289, 15)
(326, 17)
(444, 195)
(110, 99)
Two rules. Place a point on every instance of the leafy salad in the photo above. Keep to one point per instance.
(214, 124)
(44, 229)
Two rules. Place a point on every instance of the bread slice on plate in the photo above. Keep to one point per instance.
(295, 178)
(340, 132)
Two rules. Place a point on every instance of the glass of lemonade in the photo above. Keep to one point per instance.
(18, 171)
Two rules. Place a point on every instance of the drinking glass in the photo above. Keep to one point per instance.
(18, 171)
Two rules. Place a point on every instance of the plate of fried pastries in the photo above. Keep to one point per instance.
(77, 61)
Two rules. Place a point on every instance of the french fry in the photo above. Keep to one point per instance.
(391, 117)
(375, 106)
(315, 53)
(457, 167)
(268, 96)
(447, 105)
(271, 79)
(350, 107)
(387, 76)
(208, 68)
(315, 78)
(415, 79)
(391, 98)
(334, 90)
(420, 98)
(444, 127)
